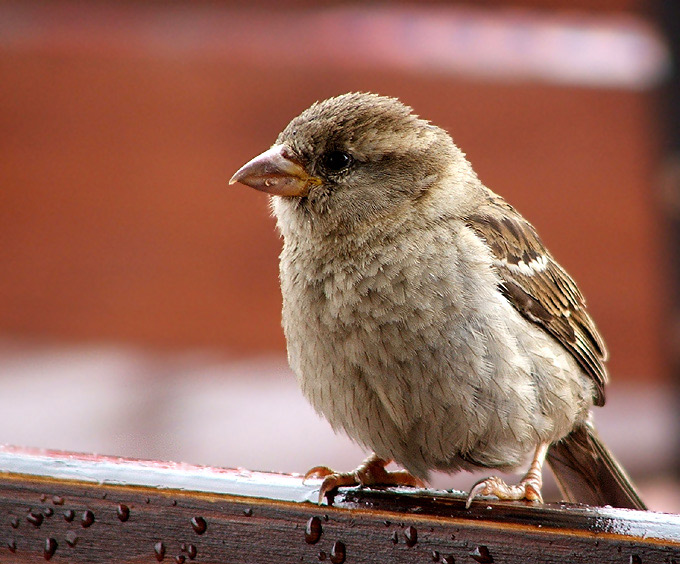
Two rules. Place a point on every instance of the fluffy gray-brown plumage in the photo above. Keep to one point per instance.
(423, 315)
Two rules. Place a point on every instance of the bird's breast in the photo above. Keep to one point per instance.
(398, 344)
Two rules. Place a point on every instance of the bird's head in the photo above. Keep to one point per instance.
(351, 159)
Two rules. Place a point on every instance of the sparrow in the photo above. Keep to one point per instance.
(423, 315)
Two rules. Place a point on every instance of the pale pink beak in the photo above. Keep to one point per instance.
(276, 172)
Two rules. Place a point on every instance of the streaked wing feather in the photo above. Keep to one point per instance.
(539, 287)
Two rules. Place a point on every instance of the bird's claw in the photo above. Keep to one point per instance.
(528, 489)
(317, 473)
(371, 472)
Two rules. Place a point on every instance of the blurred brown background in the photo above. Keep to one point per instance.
(136, 287)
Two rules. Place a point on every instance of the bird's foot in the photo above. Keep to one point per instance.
(371, 472)
(529, 489)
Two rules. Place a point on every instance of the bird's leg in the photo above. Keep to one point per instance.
(529, 487)
(371, 472)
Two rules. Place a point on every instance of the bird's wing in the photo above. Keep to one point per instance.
(540, 288)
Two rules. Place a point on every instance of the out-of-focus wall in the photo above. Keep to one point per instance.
(122, 122)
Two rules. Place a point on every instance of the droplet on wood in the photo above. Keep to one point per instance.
(411, 536)
(69, 515)
(338, 552)
(50, 548)
(481, 554)
(87, 519)
(313, 530)
(199, 525)
(159, 550)
(123, 512)
(191, 551)
(34, 518)
(71, 538)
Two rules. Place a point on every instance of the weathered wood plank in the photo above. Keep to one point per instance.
(87, 509)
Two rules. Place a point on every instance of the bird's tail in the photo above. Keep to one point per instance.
(586, 472)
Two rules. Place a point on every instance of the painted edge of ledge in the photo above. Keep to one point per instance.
(155, 474)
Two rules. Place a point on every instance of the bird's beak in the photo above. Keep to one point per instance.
(276, 172)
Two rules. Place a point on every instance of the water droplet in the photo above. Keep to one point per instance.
(313, 530)
(15, 523)
(174, 504)
(411, 536)
(435, 556)
(12, 545)
(248, 511)
(87, 519)
(199, 525)
(387, 523)
(180, 559)
(71, 538)
(48, 511)
(43, 497)
(191, 551)
(69, 515)
(338, 552)
(159, 549)
(448, 559)
(635, 559)
(50, 548)
(395, 537)
(325, 517)
(123, 512)
(57, 500)
(105, 495)
(34, 518)
(147, 500)
(482, 554)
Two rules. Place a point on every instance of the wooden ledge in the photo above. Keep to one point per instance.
(84, 508)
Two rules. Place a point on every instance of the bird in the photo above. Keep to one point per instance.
(423, 315)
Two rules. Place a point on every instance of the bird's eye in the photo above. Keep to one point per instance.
(336, 161)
